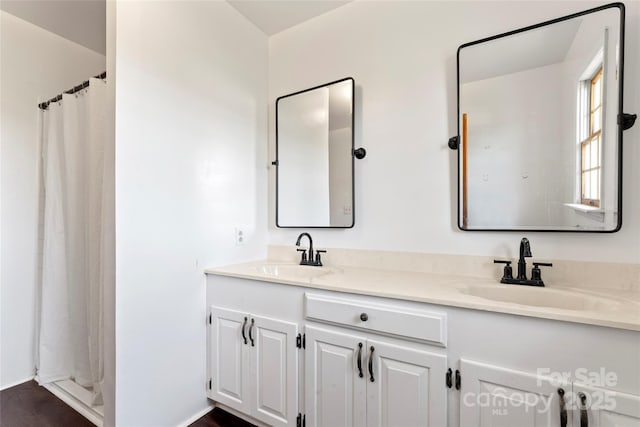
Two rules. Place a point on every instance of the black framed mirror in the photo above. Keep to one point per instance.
(540, 126)
(314, 157)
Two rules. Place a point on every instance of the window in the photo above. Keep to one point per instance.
(591, 146)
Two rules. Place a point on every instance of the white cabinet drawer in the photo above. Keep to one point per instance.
(419, 325)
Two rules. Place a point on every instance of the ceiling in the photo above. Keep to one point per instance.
(81, 21)
(273, 16)
(519, 52)
(84, 21)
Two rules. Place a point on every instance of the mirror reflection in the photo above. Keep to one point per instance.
(538, 126)
(314, 146)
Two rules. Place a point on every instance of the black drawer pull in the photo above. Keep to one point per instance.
(584, 416)
(364, 317)
(244, 325)
(251, 337)
(371, 364)
(563, 409)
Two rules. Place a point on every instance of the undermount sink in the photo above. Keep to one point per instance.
(293, 271)
(542, 297)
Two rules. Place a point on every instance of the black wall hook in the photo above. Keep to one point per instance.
(360, 153)
(627, 120)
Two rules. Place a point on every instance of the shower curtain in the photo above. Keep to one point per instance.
(77, 226)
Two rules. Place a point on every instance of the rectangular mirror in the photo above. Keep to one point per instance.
(540, 144)
(314, 157)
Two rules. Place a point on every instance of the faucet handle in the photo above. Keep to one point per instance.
(318, 259)
(544, 264)
(304, 255)
(535, 271)
(508, 271)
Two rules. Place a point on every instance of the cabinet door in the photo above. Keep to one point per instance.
(229, 359)
(604, 408)
(493, 396)
(335, 393)
(274, 367)
(405, 387)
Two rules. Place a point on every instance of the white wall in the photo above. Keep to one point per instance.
(340, 176)
(340, 191)
(514, 163)
(303, 158)
(403, 58)
(191, 154)
(35, 65)
(109, 291)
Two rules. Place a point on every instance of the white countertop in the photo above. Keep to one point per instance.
(611, 308)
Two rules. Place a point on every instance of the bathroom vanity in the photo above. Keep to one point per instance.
(343, 345)
(386, 343)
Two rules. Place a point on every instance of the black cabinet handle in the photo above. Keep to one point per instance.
(360, 374)
(364, 317)
(563, 409)
(250, 328)
(244, 325)
(371, 364)
(584, 416)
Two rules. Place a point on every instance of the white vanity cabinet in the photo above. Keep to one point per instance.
(493, 396)
(254, 365)
(505, 362)
(512, 368)
(335, 392)
(385, 363)
(409, 386)
(229, 359)
(605, 407)
(361, 380)
(496, 396)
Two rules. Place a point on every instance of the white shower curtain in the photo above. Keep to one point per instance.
(77, 224)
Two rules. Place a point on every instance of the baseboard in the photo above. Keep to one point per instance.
(74, 403)
(6, 386)
(198, 415)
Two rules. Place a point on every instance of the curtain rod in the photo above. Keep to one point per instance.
(45, 105)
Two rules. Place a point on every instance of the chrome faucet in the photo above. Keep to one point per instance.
(317, 261)
(521, 278)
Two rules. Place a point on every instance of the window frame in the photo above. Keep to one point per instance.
(593, 137)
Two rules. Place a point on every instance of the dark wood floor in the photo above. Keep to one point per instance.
(29, 405)
(220, 418)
